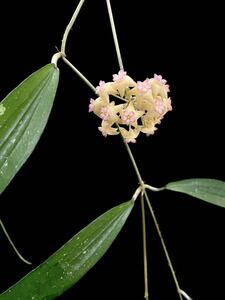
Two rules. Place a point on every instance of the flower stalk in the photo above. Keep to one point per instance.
(145, 100)
(144, 190)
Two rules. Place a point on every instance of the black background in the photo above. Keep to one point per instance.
(75, 174)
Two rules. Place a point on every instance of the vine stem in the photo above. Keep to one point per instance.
(12, 244)
(134, 165)
(62, 52)
(142, 188)
(154, 218)
(163, 245)
(69, 27)
(141, 180)
(145, 256)
(63, 46)
(114, 34)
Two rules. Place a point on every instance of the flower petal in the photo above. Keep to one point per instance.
(130, 135)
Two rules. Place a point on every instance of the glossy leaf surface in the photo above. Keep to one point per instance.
(23, 115)
(66, 266)
(209, 190)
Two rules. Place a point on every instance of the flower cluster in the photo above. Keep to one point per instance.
(130, 107)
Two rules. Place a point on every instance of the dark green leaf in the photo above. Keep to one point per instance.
(66, 266)
(209, 190)
(23, 116)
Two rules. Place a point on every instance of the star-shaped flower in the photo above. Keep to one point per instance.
(144, 104)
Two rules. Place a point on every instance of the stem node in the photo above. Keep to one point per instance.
(56, 57)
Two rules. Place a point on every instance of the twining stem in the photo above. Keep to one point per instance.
(114, 34)
(62, 54)
(69, 26)
(12, 244)
(146, 277)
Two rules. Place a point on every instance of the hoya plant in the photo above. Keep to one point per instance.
(123, 108)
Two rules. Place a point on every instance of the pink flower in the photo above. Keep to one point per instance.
(104, 113)
(160, 79)
(100, 87)
(128, 117)
(144, 86)
(128, 107)
(130, 135)
(120, 76)
(169, 103)
(91, 105)
(106, 129)
(167, 88)
(159, 106)
(130, 141)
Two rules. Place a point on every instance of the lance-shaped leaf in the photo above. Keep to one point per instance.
(23, 116)
(209, 190)
(66, 266)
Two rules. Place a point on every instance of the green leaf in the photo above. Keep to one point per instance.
(23, 115)
(209, 190)
(66, 266)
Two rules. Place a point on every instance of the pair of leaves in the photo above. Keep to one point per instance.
(23, 116)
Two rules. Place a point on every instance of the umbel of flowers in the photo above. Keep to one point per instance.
(130, 107)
